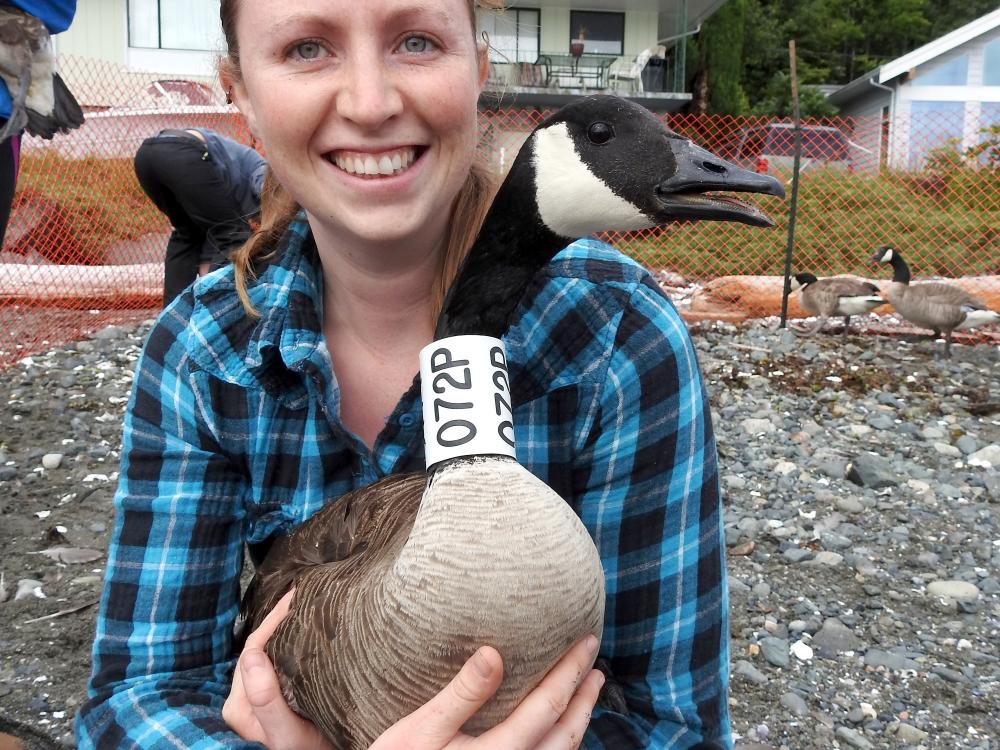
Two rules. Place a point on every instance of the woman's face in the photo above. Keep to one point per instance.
(366, 108)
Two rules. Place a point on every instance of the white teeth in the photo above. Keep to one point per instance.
(373, 164)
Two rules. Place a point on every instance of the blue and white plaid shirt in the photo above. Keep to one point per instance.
(232, 436)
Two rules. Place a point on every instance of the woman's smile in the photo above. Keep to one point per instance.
(374, 164)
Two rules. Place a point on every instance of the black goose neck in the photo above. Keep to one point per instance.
(900, 271)
(512, 246)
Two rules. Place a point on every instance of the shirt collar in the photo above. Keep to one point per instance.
(289, 296)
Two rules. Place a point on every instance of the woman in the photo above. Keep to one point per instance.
(242, 424)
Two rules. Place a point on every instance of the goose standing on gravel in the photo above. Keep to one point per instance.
(835, 296)
(933, 304)
(397, 583)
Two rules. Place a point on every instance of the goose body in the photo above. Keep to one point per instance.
(836, 296)
(398, 583)
(936, 305)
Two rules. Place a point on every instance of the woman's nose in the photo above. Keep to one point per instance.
(370, 95)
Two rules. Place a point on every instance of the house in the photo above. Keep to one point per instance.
(531, 47)
(939, 96)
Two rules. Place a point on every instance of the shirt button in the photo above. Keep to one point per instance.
(407, 420)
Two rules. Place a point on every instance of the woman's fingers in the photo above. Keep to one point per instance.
(435, 724)
(269, 624)
(553, 699)
(568, 732)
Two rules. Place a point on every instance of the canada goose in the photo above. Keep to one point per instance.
(835, 296)
(40, 101)
(397, 583)
(933, 304)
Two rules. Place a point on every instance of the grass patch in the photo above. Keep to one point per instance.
(947, 226)
(84, 206)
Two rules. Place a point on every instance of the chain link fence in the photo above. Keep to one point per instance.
(84, 246)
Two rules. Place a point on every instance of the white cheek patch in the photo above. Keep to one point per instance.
(572, 201)
(887, 256)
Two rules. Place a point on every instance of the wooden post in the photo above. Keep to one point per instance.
(797, 129)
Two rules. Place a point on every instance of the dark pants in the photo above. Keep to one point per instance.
(10, 155)
(179, 176)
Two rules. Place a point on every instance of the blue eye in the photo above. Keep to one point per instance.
(308, 50)
(417, 44)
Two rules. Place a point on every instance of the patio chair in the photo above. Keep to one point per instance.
(630, 73)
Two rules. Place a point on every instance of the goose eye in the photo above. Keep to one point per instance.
(600, 133)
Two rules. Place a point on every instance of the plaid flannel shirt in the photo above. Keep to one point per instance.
(232, 436)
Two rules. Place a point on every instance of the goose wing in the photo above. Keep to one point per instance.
(338, 534)
(825, 296)
(940, 293)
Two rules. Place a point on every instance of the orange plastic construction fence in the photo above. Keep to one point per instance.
(84, 246)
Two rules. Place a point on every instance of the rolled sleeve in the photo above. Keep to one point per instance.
(651, 500)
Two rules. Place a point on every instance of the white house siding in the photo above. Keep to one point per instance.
(866, 137)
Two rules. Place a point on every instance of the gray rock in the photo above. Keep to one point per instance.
(878, 658)
(949, 675)
(750, 672)
(853, 738)
(775, 651)
(967, 444)
(836, 637)
(910, 734)
(870, 470)
(795, 704)
(798, 554)
(988, 455)
(947, 450)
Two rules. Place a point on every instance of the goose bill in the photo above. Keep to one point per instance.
(686, 194)
(695, 206)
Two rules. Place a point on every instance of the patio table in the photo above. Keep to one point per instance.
(586, 68)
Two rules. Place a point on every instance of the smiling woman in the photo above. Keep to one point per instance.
(271, 389)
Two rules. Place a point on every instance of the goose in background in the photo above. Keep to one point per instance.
(933, 304)
(835, 296)
(40, 101)
(398, 583)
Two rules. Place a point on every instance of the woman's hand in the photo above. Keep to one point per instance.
(554, 715)
(255, 709)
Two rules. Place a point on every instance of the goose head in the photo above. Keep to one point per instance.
(606, 164)
(885, 254)
(802, 280)
(599, 164)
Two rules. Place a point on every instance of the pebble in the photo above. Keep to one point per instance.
(853, 738)
(745, 669)
(836, 637)
(52, 461)
(794, 703)
(775, 651)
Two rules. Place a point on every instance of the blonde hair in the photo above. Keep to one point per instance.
(278, 208)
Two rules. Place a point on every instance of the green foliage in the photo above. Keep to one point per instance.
(836, 40)
(777, 99)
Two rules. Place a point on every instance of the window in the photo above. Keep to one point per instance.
(174, 24)
(934, 127)
(513, 34)
(991, 63)
(602, 33)
(952, 73)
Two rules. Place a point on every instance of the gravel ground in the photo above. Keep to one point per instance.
(862, 522)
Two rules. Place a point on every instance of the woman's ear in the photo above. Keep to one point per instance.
(236, 92)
